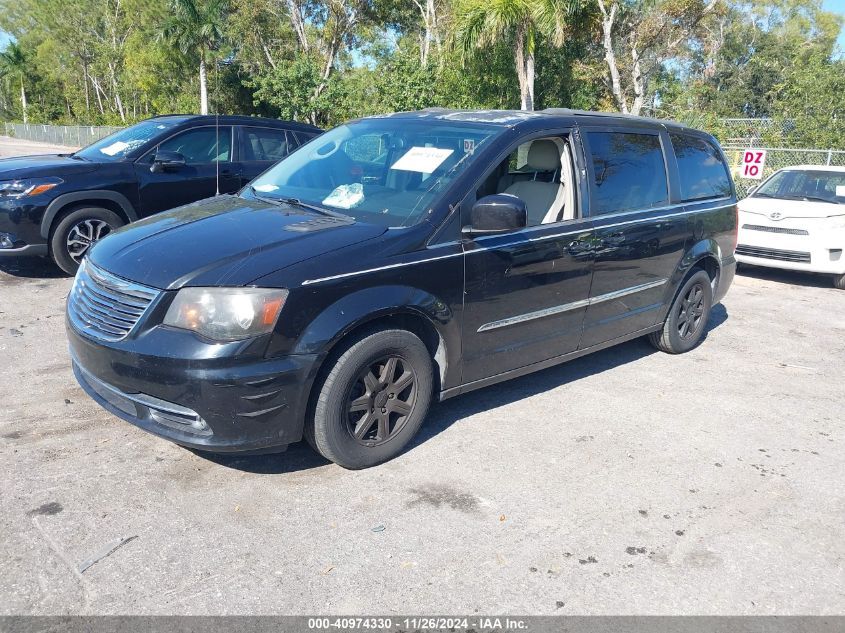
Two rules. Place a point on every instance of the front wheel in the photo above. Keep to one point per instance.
(839, 282)
(687, 319)
(76, 233)
(373, 400)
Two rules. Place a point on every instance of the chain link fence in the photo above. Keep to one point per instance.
(778, 158)
(748, 133)
(68, 135)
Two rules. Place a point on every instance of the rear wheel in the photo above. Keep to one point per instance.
(839, 281)
(687, 319)
(75, 233)
(373, 400)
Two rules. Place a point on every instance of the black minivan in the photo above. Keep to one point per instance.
(401, 258)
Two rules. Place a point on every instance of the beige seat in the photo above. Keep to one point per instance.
(543, 200)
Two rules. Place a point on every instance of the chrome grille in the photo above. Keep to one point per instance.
(774, 229)
(773, 253)
(104, 306)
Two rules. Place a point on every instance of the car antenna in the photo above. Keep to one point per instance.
(217, 130)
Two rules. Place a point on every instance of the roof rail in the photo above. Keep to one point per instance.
(570, 112)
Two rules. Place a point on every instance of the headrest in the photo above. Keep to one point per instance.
(543, 155)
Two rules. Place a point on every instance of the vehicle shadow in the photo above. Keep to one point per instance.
(794, 277)
(31, 268)
(443, 415)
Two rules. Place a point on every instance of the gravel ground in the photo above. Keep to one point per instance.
(626, 482)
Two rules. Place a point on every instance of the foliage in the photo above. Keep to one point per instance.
(325, 61)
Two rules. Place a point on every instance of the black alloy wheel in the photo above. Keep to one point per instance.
(686, 320)
(691, 311)
(372, 398)
(381, 400)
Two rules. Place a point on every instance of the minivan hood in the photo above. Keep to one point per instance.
(43, 165)
(790, 208)
(222, 241)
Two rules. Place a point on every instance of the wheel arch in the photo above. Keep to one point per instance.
(705, 254)
(403, 307)
(111, 200)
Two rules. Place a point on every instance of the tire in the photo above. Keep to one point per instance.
(839, 282)
(359, 394)
(680, 334)
(73, 235)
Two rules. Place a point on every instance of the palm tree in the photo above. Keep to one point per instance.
(13, 63)
(196, 26)
(481, 23)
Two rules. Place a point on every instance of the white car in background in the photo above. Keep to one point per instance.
(796, 220)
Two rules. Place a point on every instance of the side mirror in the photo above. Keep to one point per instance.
(499, 213)
(752, 190)
(167, 161)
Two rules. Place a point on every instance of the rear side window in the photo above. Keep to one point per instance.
(201, 145)
(262, 143)
(304, 137)
(702, 172)
(628, 171)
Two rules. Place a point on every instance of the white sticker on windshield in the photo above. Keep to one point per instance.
(114, 148)
(840, 191)
(422, 159)
(265, 188)
(346, 196)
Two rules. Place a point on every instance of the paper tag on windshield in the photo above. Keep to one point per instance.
(114, 148)
(346, 196)
(422, 159)
(265, 188)
(840, 191)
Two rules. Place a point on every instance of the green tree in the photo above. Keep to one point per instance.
(13, 66)
(481, 23)
(196, 27)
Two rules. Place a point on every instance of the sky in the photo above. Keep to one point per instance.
(837, 6)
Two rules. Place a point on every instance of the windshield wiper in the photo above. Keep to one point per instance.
(820, 199)
(274, 201)
(296, 202)
(808, 198)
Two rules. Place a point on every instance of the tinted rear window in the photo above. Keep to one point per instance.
(264, 144)
(701, 170)
(628, 171)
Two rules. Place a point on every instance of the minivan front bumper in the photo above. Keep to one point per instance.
(226, 406)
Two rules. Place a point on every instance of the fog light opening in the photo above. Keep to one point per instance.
(835, 254)
(6, 241)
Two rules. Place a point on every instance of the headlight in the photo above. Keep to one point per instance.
(226, 314)
(27, 187)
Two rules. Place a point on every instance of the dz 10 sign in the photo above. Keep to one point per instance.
(753, 161)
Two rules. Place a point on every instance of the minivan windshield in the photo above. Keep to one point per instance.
(119, 145)
(813, 185)
(385, 171)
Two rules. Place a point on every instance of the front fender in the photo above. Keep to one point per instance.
(90, 196)
(357, 309)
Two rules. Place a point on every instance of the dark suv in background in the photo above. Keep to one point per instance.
(60, 204)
